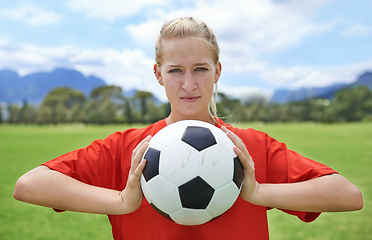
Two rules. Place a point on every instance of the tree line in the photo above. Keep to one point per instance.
(108, 105)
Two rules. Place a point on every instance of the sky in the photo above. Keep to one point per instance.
(265, 44)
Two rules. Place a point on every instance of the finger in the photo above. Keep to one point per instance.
(240, 149)
(138, 172)
(138, 156)
(138, 153)
(246, 160)
(136, 175)
(146, 139)
(236, 140)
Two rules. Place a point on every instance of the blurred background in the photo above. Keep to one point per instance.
(274, 53)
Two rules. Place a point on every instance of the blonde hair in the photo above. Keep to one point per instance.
(190, 27)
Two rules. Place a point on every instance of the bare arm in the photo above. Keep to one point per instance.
(49, 188)
(329, 193)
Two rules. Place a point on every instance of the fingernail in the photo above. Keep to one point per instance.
(225, 129)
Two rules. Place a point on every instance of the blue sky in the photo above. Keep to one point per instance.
(265, 44)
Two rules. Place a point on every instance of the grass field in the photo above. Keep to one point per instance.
(345, 147)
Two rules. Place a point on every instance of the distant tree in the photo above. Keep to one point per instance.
(254, 112)
(75, 114)
(60, 113)
(127, 111)
(112, 92)
(226, 105)
(300, 111)
(28, 113)
(154, 113)
(165, 109)
(103, 105)
(14, 113)
(271, 113)
(319, 110)
(44, 115)
(91, 113)
(60, 104)
(64, 95)
(108, 111)
(146, 101)
(352, 104)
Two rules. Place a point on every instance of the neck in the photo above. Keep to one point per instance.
(172, 119)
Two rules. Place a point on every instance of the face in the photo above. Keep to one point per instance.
(188, 74)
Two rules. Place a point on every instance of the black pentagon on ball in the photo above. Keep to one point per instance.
(199, 138)
(152, 164)
(238, 172)
(195, 194)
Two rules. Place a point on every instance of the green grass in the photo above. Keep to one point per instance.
(345, 147)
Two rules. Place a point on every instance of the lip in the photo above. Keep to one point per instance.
(190, 99)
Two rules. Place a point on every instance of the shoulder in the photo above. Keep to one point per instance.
(244, 133)
(143, 132)
(132, 136)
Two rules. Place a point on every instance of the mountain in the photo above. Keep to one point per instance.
(364, 79)
(34, 87)
(283, 96)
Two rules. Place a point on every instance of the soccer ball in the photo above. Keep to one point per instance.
(192, 174)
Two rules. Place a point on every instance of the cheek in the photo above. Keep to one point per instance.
(170, 89)
(208, 84)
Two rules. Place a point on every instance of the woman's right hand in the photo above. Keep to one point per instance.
(132, 194)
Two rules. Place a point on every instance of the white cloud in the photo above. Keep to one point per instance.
(245, 92)
(356, 30)
(28, 58)
(31, 16)
(307, 76)
(145, 34)
(246, 30)
(260, 24)
(128, 68)
(112, 9)
(43, 18)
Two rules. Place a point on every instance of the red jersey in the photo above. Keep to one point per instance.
(106, 163)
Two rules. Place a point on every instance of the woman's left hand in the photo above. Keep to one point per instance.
(250, 185)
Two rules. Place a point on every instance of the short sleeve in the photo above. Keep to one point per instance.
(287, 166)
(275, 163)
(105, 162)
(98, 164)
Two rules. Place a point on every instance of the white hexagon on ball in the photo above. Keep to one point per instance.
(179, 163)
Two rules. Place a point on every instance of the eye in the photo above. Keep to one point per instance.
(174, 70)
(201, 69)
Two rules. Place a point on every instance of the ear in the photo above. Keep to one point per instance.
(157, 73)
(217, 74)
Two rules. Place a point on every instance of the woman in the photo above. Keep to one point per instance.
(105, 176)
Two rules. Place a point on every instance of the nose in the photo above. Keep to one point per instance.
(189, 82)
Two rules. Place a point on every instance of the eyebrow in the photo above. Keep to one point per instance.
(197, 64)
(173, 66)
(201, 64)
